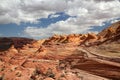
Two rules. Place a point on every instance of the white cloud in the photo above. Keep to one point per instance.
(54, 15)
(61, 27)
(16, 11)
(114, 21)
(88, 13)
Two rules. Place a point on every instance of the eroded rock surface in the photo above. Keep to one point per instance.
(62, 57)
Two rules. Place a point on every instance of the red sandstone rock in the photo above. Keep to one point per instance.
(111, 30)
(60, 57)
(71, 76)
(38, 43)
(12, 49)
(48, 79)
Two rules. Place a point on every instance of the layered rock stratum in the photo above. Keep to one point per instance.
(62, 57)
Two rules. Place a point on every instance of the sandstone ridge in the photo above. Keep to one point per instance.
(62, 57)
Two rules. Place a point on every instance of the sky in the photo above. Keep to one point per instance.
(40, 19)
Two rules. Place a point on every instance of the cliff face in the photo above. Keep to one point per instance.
(62, 57)
(20, 42)
(112, 33)
(112, 30)
(6, 43)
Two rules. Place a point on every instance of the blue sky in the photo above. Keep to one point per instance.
(42, 18)
(16, 30)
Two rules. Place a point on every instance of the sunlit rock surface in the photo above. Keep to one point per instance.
(62, 57)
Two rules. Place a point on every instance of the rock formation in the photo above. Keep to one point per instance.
(38, 43)
(75, 38)
(5, 44)
(111, 30)
(12, 49)
(112, 33)
(62, 57)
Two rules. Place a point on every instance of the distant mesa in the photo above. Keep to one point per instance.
(6, 43)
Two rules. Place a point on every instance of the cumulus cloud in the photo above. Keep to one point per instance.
(61, 27)
(114, 21)
(54, 15)
(88, 13)
(16, 11)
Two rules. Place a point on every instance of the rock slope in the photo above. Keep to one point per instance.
(62, 57)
